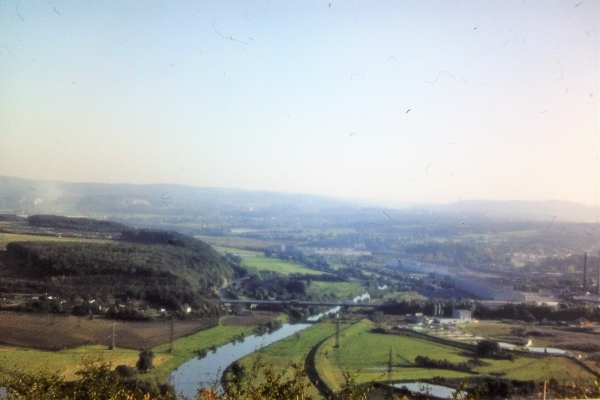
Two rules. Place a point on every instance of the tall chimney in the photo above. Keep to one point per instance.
(598, 278)
(585, 272)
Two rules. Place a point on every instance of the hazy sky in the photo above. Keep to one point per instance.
(408, 101)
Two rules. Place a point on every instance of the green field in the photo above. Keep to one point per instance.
(328, 231)
(67, 362)
(293, 349)
(6, 238)
(337, 265)
(279, 266)
(342, 290)
(236, 242)
(368, 354)
(489, 329)
(64, 362)
(240, 252)
(399, 296)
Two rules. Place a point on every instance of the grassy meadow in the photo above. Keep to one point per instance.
(368, 354)
(489, 329)
(236, 242)
(240, 252)
(399, 296)
(276, 265)
(67, 362)
(343, 290)
(64, 362)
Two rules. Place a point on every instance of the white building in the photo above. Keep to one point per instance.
(463, 315)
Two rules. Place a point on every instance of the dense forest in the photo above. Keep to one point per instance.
(163, 269)
(57, 222)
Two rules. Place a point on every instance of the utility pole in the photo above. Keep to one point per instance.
(598, 277)
(337, 331)
(585, 273)
(172, 333)
(112, 343)
(544, 391)
(390, 375)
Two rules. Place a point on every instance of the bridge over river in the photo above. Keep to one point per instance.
(299, 303)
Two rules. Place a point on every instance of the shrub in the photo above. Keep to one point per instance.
(144, 363)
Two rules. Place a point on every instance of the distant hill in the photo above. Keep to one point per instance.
(26, 197)
(165, 269)
(57, 222)
(550, 210)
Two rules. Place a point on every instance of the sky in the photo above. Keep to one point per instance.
(399, 101)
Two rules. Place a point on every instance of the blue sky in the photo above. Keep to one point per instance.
(307, 97)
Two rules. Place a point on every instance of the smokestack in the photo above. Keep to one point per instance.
(598, 278)
(585, 272)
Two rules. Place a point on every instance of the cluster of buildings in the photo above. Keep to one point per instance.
(458, 317)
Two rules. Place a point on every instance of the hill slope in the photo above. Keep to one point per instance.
(166, 269)
(26, 197)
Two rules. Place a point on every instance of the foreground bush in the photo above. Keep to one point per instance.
(98, 381)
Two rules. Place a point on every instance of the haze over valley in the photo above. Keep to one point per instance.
(268, 200)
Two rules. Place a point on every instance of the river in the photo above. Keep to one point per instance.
(193, 374)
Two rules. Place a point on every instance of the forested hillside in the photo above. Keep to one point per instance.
(159, 268)
(57, 222)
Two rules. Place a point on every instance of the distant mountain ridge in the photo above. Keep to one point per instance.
(28, 197)
(549, 210)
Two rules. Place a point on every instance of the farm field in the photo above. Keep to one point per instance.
(368, 353)
(276, 265)
(343, 290)
(240, 252)
(64, 362)
(545, 336)
(257, 318)
(236, 242)
(67, 362)
(403, 296)
(54, 332)
(490, 329)
(329, 231)
(581, 343)
(337, 265)
(6, 238)
(293, 349)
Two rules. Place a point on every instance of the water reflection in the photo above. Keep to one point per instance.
(442, 392)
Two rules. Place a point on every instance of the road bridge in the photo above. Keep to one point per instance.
(299, 303)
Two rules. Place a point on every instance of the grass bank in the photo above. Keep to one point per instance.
(293, 349)
(185, 349)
